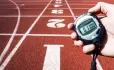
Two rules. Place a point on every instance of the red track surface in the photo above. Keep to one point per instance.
(31, 53)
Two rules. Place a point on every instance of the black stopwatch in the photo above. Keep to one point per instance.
(90, 30)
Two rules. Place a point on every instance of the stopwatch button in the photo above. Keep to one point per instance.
(98, 31)
(93, 37)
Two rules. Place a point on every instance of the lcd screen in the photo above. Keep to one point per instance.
(88, 28)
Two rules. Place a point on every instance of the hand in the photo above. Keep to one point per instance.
(108, 22)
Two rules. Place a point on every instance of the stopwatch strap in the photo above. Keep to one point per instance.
(93, 63)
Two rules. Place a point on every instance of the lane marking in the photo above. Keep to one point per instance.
(55, 11)
(41, 4)
(11, 4)
(80, 4)
(48, 1)
(55, 16)
(70, 10)
(56, 5)
(4, 64)
(52, 57)
(19, 5)
(38, 15)
(99, 67)
(56, 23)
(22, 4)
(41, 8)
(83, 1)
(17, 16)
(12, 36)
(32, 1)
(59, 35)
(53, 4)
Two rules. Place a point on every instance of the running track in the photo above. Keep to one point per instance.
(34, 35)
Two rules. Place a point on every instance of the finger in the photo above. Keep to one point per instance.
(99, 8)
(78, 43)
(70, 26)
(105, 22)
(88, 48)
(74, 35)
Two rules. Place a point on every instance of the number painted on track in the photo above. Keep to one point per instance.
(57, 12)
(56, 23)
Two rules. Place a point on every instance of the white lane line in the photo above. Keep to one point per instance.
(33, 1)
(3, 65)
(52, 57)
(82, 1)
(19, 5)
(12, 36)
(55, 16)
(74, 3)
(64, 8)
(70, 10)
(9, 4)
(48, 1)
(79, 4)
(99, 67)
(62, 4)
(31, 16)
(59, 35)
(53, 4)
(38, 15)
(38, 8)
(17, 16)
(44, 4)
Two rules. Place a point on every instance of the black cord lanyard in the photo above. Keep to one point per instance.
(93, 63)
(95, 55)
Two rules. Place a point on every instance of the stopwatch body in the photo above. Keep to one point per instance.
(89, 29)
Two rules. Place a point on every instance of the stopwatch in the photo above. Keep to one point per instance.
(90, 30)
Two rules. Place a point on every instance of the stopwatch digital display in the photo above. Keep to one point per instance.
(89, 28)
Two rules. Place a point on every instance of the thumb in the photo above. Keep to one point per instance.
(100, 7)
(88, 48)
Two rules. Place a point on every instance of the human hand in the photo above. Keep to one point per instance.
(108, 22)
